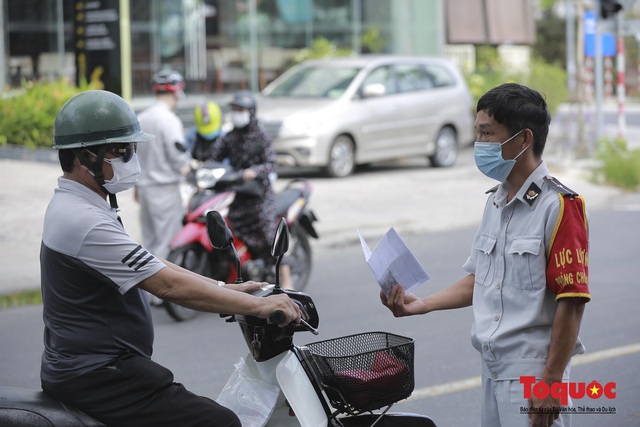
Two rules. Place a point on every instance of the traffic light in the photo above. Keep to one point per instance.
(608, 8)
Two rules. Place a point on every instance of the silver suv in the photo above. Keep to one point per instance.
(343, 112)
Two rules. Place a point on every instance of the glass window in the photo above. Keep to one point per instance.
(412, 78)
(384, 76)
(440, 76)
(316, 82)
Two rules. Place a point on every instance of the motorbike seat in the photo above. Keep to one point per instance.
(285, 198)
(21, 407)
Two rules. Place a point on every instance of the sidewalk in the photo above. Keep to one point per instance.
(414, 199)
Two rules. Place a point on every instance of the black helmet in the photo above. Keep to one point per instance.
(167, 81)
(96, 117)
(244, 99)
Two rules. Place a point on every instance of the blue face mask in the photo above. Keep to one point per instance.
(488, 156)
(210, 136)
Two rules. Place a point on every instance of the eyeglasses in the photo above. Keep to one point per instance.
(126, 151)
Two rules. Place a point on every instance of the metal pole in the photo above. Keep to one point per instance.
(638, 63)
(582, 78)
(3, 49)
(60, 41)
(620, 91)
(357, 26)
(126, 69)
(253, 47)
(598, 76)
(571, 40)
(582, 83)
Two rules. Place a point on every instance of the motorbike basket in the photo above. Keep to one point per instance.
(365, 371)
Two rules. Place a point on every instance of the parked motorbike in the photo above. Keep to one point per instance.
(216, 185)
(350, 381)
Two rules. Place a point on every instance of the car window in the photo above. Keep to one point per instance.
(382, 75)
(413, 77)
(440, 76)
(316, 82)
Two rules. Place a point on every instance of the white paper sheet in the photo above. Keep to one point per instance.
(393, 263)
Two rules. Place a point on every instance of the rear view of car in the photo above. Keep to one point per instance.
(342, 112)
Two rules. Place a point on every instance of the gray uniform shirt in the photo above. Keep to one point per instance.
(160, 160)
(90, 266)
(512, 307)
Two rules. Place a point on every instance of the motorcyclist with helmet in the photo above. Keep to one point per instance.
(248, 148)
(164, 164)
(98, 336)
(201, 138)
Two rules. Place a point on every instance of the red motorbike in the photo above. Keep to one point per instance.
(216, 185)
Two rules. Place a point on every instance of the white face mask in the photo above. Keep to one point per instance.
(240, 118)
(125, 175)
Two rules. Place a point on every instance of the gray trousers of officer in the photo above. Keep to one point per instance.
(502, 401)
(161, 213)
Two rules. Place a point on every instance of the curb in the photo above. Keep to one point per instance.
(18, 152)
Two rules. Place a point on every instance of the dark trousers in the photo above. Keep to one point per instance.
(137, 392)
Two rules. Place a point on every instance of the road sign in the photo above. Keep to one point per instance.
(607, 40)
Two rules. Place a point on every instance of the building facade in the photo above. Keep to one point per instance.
(218, 45)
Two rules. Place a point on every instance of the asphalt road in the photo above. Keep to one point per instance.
(435, 211)
(201, 352)
(407, 195)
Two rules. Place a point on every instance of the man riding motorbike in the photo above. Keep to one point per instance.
(98, 335)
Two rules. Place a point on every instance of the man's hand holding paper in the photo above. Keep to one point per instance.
(393, 263)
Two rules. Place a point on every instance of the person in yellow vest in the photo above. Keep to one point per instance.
(201, 138)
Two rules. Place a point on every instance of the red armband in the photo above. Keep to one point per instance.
(568, 258)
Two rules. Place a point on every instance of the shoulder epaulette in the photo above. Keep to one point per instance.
(492, 189)
(560, 187)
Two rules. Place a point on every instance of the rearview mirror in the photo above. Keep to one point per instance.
(219, 234)
(373, 89)
(279, 247)
(281, 240)
(221, 238)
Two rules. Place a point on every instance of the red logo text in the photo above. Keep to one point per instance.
(562, 391)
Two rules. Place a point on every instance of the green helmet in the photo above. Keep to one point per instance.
(96, 117)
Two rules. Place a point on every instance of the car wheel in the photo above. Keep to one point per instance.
(342, 157)
(446, 148)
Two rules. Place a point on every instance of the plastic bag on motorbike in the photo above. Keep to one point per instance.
(253, 400)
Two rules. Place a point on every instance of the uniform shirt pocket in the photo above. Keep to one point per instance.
(484, 264)
(528, 262)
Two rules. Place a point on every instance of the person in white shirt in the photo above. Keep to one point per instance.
(164, 162)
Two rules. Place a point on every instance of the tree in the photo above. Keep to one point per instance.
(551, 39)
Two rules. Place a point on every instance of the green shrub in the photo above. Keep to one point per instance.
(548, 79)
(618, 165)
(321, 48)
(18, 299)
(27, 117)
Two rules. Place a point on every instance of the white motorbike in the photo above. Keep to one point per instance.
(350, 381)
(343, 382)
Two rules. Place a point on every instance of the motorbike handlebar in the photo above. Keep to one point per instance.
(278, 317)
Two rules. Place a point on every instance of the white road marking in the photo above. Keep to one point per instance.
(469, 383)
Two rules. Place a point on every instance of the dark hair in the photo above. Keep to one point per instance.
(518, 107)
(66, 158)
